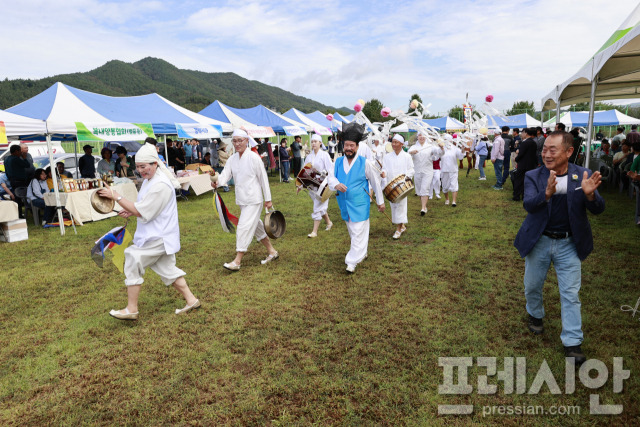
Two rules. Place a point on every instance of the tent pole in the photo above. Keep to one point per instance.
(166, 151)
(54, 179)
(587, 153)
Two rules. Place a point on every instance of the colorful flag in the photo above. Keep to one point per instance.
(116, 240)
(226, 219)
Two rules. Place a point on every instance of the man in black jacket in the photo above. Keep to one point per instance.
(508, 142)
(526, 160)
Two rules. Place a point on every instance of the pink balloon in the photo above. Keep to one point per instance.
(330, 117)
(357, 108)
(385, 112)
(489, 98)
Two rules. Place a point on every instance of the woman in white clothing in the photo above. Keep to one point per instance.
(423, 156)
(157, 237)
(321, 161)
(449, 172)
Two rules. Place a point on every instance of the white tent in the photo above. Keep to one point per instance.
(612, 73)
(61, 106)
(303, 118)
(600, 118)
(17, 125)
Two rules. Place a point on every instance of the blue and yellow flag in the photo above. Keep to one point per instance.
(116, 241)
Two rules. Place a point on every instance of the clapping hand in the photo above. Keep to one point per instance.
(551, 185)
(589, 185)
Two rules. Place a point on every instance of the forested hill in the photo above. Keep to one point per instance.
(191, 89)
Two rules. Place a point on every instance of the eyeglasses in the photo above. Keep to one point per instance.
(238, 141)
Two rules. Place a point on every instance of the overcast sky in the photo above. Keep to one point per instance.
(331, 51)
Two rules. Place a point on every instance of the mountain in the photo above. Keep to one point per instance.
(193, 90)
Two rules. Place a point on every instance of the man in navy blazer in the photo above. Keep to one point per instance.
(556, 229)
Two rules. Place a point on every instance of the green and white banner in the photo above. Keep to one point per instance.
(115, 131)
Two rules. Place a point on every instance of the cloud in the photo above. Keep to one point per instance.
(332, 52)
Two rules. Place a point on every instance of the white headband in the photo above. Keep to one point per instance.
(316, 137)
(398, 137)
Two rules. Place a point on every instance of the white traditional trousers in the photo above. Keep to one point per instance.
(359, 233)
(153, 255)
(435, 183)
(249, 225)
(319, 207)
(399, 212)
(449, 181)
(423, 183)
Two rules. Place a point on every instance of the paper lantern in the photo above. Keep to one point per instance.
(361, 102)
(489, 98)
(414, 104)
(330, 117)
(357, 108)
(385, 112)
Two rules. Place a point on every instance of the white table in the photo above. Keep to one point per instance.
(78, 203)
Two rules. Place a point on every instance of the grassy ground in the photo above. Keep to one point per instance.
(299, 341)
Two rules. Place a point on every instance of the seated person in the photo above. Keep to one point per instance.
(124, 164)
(5, 187)
(62, 173)
(35, 194)
(107, 166)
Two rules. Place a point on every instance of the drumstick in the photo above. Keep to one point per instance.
(385, 214)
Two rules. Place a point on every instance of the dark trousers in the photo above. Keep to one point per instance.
(518, 184)
(296, 164)
(506, 166)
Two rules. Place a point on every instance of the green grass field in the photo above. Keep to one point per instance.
(299, 341)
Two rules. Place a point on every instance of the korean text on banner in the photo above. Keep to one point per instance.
(198, 131)
(259, 131)
(115, 131)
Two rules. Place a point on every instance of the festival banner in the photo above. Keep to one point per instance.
(322, 131)
(116, 131)
(3, 134)
(294, 130)
(198, 131)
(259, 131)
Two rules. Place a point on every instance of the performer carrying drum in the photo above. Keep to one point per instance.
(397, 163)
(320, 161)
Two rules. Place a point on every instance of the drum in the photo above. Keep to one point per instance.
(314, 181)
(398, 189)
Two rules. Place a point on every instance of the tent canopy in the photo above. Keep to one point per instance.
(445, 123)
(257, 116)
(61, 106)
(17, 125)
(600, 118)
(616, 65)
(320, 127)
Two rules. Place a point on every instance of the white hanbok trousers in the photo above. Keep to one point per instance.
(359, 233)
(153, 255)
(435, 183)
(423, 183)
(249, 225)
(399, 212)
(449, 181)
(319, 207)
